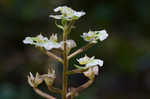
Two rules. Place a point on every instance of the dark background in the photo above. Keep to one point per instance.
(126, 52)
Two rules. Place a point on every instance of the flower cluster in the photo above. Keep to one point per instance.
(91, 64)
(38, 79)
(67, 13)
(93, 36)
(48, 44)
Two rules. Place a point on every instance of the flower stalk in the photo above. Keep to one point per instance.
(54, 56)
(65, 65)
(84, 48)
(67, 29)
(74, 91)
(88, 66)
(43, 94)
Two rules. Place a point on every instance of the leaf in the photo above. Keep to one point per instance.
(59, 26)
(79, 67)
(63, 22)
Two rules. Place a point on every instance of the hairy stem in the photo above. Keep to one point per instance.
(75, 71)
(55, 90)
(80, 50)
(54, 56)
(67, 30)
(75, 91)
(65, 66)
(43, 94)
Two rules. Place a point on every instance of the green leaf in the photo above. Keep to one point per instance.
(63, 22)
(79, 67)
(59, 26)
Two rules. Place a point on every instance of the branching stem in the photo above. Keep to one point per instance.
(54, 56)
(55, 90)
(43, 94)
(74, 91)
(80, 50)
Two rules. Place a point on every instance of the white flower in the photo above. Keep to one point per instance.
(56, 16)
(93, 36)
(91, 64)
(41, 41)
(102, 35)
(90, 61)
(70, 44)
(84, 60)
(67, 13)
(38, 40)
(90, 36)
(52, 43)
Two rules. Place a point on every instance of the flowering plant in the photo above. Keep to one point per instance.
(88, 66)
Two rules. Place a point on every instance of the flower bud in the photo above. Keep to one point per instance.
(34, 81)
(91, 72)
(50, 77)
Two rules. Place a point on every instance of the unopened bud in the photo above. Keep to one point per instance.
(34, 81)
(91, 72)
(50, 77)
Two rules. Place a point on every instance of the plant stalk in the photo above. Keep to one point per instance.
(80, 50)
(67, 30)
(64, 91)
(43, 94)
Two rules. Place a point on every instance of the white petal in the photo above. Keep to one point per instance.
(79, 14)
(57, 9)
(95, 70)
(102, 35)
(56, 16)
(31, 76)
(28, 40)
(67, 13)
(95, 62)
(90, 36)
(51, 45)
(84, 60)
